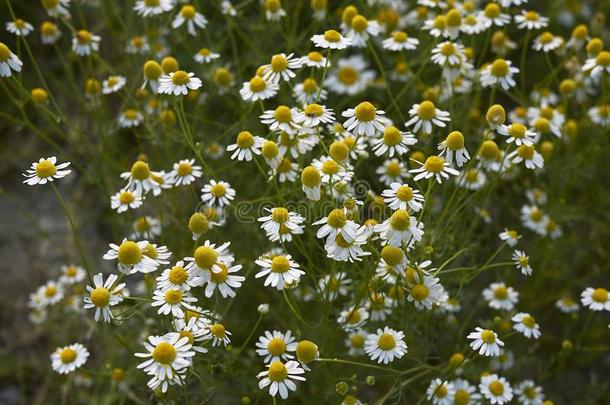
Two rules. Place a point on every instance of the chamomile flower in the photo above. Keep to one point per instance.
(441, 392)
(435, 167)
(355, 342)
(207, 257)
(511, 237)
(57, 8)
(84, 43)
(178, 277)
(350, 76)
(529, 393)
(281, 222)
(453, 148)
(217, 193)
(72, 274)
(400, 41)
(205, 55)
(448, 54)
(314, 60)
(104, 295)
(138, 45)
(426, 293)
(166, 356)
(150, 8)
(596, 65)
(331, 39)
(517, 133)
(281, 119)
(279, 271)
(141, 180)
(485, 341)
(567, 305)
(274, 10)
(547, 42)
(527, 154)
(178, 83)
(526, 325)
(184, 172)
(224, 280)
(361, 30)
(596, 299)
(159, 254)
(501, 297)
(146, 227)
(331, 171)
(499, 73)
(341, 250)
(311, 183)
(130, 118)
(245, 146)
(219, 335)
(334, 285)
(188, 327)
(308, 92)
(365, 119)
(50, 293)
(172, 301)
(279, 378)
(314, 115)
(400, 229)
(282, 67)
(49, 33)
(531, 20)
(113, 84)
(19, 27)
(496, 389)
(336, 223)
(425, 115)
(286, 171)
(188, 14)
(600, 115)
(386, 345)
(131, 258)
(493, 15)
(392, 171)
(522, 261)
(353, 318)
(276, 346)
(258, 89)
(465, 393)
(65, 360)
(45, 170)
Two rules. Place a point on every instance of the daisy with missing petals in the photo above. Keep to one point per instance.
(274, 10)
(217, 193)
(177, 278)
(314, 115)
(425, 115)
(149, 8)
(496, 389)
(453, 147)
(311, 183)
(528, 155)
(224, 280)
(178, 83)
(511, 237)
(485, 341)
(595, 66)
(205, 55)
(192, 17)
(526, 325)
(596, 299)
(441, 392)
(500, 72)
(281, 119)
(172, 301)
(530, 394)
(401, 228)
(258, 89)
(435, 167)
(19, 27)
(281, 68)
(501, 297)
(218, 334)
(365, 119)
(45, 170)
(166, 356)
(279, 271)
(281, 222)
(113, 84)
(49, 33)
(184, 172)
(131, 258)
(567, 305)
(400, 41)
(67, 359)
(522, 261)
(386, 345)
(245, 145)
(84, 42)
(331, 39)
(104, 295)
(279, 377)
(275, 346)
(336, 223)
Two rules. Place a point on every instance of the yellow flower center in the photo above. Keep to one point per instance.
(83, 37)
(277, 371)
(532, 16)
(517, 130)
(526, 151)
(180, 78)
(184, 169)
(546, 37)
(272, 5)
(404, 193)
(359, 23)
(496, 388)
(489, 150)
(177, 275)
(279, 63)
(205, 257)
(276, 346)
(48, 28)
(530, 392)
(280, 215)
(332, 36)
(218, 330)
(46, 168)
(205, 52)
(365, 112)
(100, 297)
(441, 391)
(529, 321)
(339, 151)
(347, 75)
(393, 169)
(310, 86)
(434, 164)
(603, 58)
(151, 3)
(392, 255)
(50, 291)
(218, 190)
(472, 175)
(283, 114)
(257, 84)
(188, 12)
(314, 110)
(455, 140)
(501, 293)
(279, 264)
(400, 220)
(461, 397)
(307, 351)
(426, 110)
(130, 253)
(222, 275)
(354, 317)
(284, 166)
(386, 342)
(448, 49)
(140, 170)
(310, 177)
(336, 218)
(492, 10)
(499, 68)
(488, 336)
(222, 77)
(357, 341)
(315, 56)
(164, 353)
(400, 36)
(173, 297)
(71, 271)
(420, 292)
(188, 334)
(131, 114)
(330, 167)
(600, 295)
(67, 355)
(440, 22)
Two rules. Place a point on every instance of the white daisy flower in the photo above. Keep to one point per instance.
(331, 172)
(275, 346)
(465, 393)
(57, 8)
(130, 118)
(485, 341)
(600, 115)
(522, 261)
(219, 335)
(205, 55)
(113, 84)
(146, 227)
(596, 299)
(274, 10)
(441, 392)
(386, 345)
(281, 222)
(361, 30)
(341, 250)
(496, 389)
(434, 167)
(336, 223)
(172, 301)
(595, 66)
(526, 325)
(501, 297)
(19, 27)
(314, 115)
(189, 15)
(517, 133)
(529, 393)
(365, 119)
(528, 155)
(184, 172)
(427, 293)
(178, 83)
(511, 237)
(353, 318)
(283, 118)
(279, 378)
(72, 274)
(189, 329)
(350, 76)
(448, 54)
(84, 42)
(331, 39)
(141, 180)
(453, 148)
(500, 72)
(393, 141)
(425, 115)
(245, 145)
(217, 193)
(258, 89)
(315, 60)
(49, 33)
(547, 42)
(567, 305)
(279, 271)
(131, 258)
(206, 259)
(281, 68)
(224, 280)
(178, 277)
(400, 41)
(400, 229)
(50, 293)
(334, 285)
(355, 342)
(311, 182)
(392, 171)
(150, 8)
(65, 360)
(531, 20)
(308, 92)
(493, 15)
(45, 170)
(104, 295)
